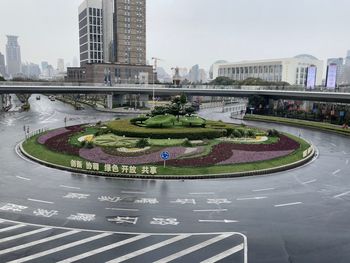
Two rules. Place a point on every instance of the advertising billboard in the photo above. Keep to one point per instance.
(311, 77)
(331, 81)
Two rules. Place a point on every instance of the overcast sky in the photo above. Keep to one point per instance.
(188, 32)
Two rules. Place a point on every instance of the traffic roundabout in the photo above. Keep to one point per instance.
(299, 215)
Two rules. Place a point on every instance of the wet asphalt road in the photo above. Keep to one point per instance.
(297, 216)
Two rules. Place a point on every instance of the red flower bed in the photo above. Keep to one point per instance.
(224, 151)
(60, 143)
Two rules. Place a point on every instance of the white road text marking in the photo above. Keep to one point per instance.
(289, 204)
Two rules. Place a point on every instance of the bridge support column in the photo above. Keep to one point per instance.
(1, 103)
(110, 101)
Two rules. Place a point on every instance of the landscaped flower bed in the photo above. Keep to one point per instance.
(63, 147)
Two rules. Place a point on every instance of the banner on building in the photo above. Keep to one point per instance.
(311, 77)
(331, 80)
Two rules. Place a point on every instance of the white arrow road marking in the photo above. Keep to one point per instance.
(24, 234)
(148, 249)
(193, 248)
(11, 228)
(251, 198)
(60, 248)
(341, 195)
(40, 201)
(289, 204)
(12, 249)
(226, 221)
(103, 249)
(224, 254)
(263, 190)
(23, 178)
(211, 210)
(336, 172)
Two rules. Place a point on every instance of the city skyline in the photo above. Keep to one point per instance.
(190, 31)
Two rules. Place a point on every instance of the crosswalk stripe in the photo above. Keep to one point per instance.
(11, 228)
(103, 249)
(148, 249)
(12, 249)
(60, 248)
(24, 234)
(224, 254)
(193, 248)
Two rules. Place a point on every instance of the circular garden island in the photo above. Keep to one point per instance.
(197, 148)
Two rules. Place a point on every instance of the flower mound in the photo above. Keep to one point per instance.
(43, 138)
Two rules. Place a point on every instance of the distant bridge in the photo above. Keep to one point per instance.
(200, 90)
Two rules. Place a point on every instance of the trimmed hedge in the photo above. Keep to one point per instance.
(193, 121)
(160, 121)
(124, 127)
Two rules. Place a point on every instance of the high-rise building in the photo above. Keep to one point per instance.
(31, 70)
(90, 32)
(13, 56)
(60, 65)
(340, 68)
(112, 43)
(108, 31)
(2, 65)
(347, 59)
(130, 31)
(44, 65)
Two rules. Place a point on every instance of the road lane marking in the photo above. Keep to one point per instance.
(23, 178)
(263, 190)
(341, 195)
(122, 209)
(336, 172)
(207, 193)
(148, 249)
(103, 249)
(211, 210)
(224, 254)
(24, 234)
(132, 192)
(251, 198)
(11, 228)
(345, 153)
(334, 145)
(193, 248)
(309, 182)
(289, 204)
(37, 242)
(347, 162)
(70, 187)
(226, 221)
(60, 248)
(40, 201)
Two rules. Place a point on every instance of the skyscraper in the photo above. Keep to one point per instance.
(2, 65)
(340, 68)
(108, 31)
(13, 56)
(130, 31)
(90, 32)
(60, 65)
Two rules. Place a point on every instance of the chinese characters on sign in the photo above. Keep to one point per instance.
(113, 168)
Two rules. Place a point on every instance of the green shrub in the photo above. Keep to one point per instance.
(242, 132)
(193, 121)
(142, 143)
(251, 133)
(229, 131)
(160, 121)
(236, 133)
(139, 119)
(273, 133)
(187, 143)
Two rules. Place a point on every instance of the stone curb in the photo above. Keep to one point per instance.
(177, 177)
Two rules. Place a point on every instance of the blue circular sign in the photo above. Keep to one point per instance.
(165, 156)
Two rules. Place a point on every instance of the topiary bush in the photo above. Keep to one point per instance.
(187, 143)
(273, 133)
(142, 143)
(251, 133)
(236, 133)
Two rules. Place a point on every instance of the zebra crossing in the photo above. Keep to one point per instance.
(20, 242)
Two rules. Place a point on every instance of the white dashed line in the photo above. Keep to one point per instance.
(251, 198)
(334, 145)
(341, 195)
(40, 201)
(207, 193)
(263, 190)
(23, 178)
(122, 209)
(211, 210)
(310, 182)
(347, 162)
(70, 187)
(131, 192)
(336, 172)
(289, 204)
